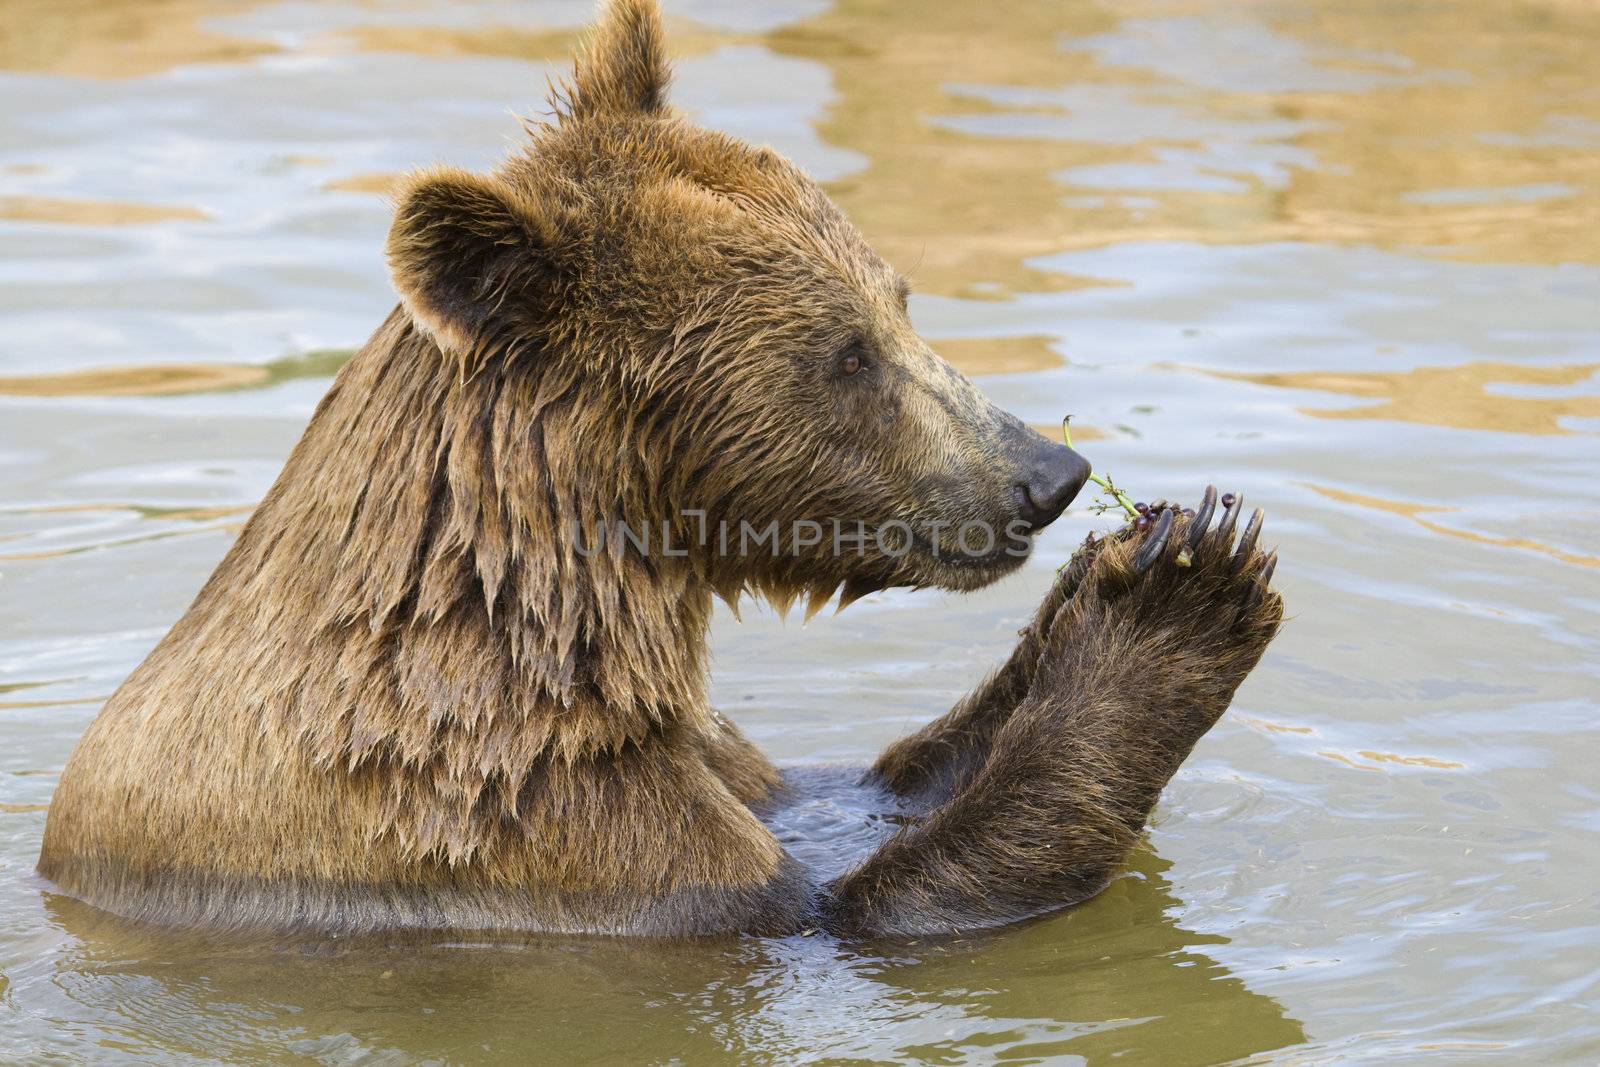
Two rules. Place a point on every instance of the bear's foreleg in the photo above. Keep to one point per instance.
(1140, 659)
(938, 761)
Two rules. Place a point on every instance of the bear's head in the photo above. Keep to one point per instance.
(726, 355)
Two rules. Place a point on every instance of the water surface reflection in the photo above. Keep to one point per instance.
(1118, 976)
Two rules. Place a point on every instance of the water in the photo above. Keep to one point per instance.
(1339, 255)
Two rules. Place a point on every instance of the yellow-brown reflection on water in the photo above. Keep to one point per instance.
(376, 183)
(18, 705)
(1490, 154)
(80, 212)
(961, 213)
(1429, 762)
(1461, 129)
(1000, 355)
(535, 44)
(1417, 513)
(1268, 726)
(506, 42)
(230, 529)
(1410, 761)
(1460, 397)
(225, 518)
(118, 38)
(1080, 432)
(166, 380)
(176, 379)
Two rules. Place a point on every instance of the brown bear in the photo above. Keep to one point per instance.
(423, 691)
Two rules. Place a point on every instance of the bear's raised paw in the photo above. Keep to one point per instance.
(1180, 606)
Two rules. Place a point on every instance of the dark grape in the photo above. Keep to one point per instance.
(1142, 522)
(1188, 513)
(1141, 508)
(1228, 499)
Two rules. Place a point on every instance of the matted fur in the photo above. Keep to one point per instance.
(406, 699)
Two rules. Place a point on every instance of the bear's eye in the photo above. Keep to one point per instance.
(850, 361)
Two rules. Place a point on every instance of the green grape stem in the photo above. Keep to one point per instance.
(1105, 483)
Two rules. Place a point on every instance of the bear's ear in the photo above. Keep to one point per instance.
(468, 254)
(623, 65)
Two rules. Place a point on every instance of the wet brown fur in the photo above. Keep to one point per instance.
(406, 699)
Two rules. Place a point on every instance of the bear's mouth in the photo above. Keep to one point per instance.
(962, 570)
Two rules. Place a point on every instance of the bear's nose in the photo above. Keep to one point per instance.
(1054, 477)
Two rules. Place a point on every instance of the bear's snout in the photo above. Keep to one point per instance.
(1051, 478)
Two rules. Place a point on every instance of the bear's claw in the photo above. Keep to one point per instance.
(1247, 542)
(1258, 588)
(1155, 544)
(1230, 515)
(1202, 518)
(1195, 534)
